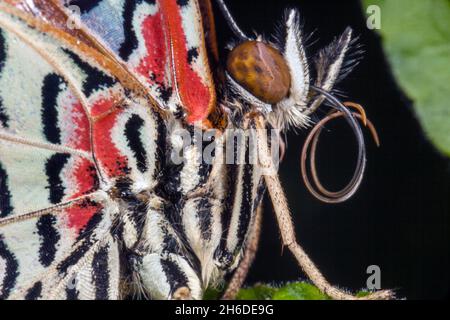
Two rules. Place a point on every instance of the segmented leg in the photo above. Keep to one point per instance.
(287, 230)
(249, 256)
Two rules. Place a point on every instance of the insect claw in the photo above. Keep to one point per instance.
(360, 109)
(374, 133)
(363, 117)
(367, 123)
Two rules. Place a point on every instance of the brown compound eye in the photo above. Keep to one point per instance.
(261, 70)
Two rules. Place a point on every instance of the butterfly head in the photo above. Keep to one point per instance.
(274, 77)
(261, 70)
(273, 80)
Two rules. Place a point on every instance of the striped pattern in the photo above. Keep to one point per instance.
(46, 161)
(48, 123)
(89, 196)
(45, 271)
(150, 35)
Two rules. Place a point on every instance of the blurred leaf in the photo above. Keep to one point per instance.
(290, 291)
(299, 291)
(212, 294)
(257, 292)
(362, 294)
(416, 37)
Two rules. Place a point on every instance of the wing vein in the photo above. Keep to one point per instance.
(43, 145)
(97, 196)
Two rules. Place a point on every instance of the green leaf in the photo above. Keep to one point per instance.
(299, 291)
(290, 291)
(416, 37)
(363, 294)
(212, 294)
(258, 292)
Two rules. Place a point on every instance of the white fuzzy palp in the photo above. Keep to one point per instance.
(290, 110)
(295, 56)
(330, 64)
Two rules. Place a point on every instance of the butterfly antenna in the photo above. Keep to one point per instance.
(231, 22)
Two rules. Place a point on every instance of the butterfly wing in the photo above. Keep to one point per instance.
(90, 119)
(55, 224)
(46, 257)
(158, 43)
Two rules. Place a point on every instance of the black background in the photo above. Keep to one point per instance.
(399, 219)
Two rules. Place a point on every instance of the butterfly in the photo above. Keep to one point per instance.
(96, 98)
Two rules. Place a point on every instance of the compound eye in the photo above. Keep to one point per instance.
(261, 70)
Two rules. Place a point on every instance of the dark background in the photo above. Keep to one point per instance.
(399, 219)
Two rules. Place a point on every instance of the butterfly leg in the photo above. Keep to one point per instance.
(240, 274)
(287, 230)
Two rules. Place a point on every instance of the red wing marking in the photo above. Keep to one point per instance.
(106, 152)
(78, 138)
(153, 66)
(80, 214)
(195, 95)
(166, 45)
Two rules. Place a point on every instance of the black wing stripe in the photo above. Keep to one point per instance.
(192, 55)
(100, 273)
(9, 276)
(53, 168)
(246, 211)
(161, 142)
(92, 223)
(131, 42)
(205, 168)
(175, 276)
(4, 118)
(133, 135)
(85, 5)
(86, 239)
(204, 213)
(95, 79)
(49, 238)
(34, 292)
(233, 169)
(182, 3)
(76, 255)
(72, 293)
(51, 88)
(5, 195)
